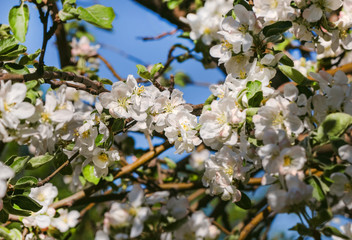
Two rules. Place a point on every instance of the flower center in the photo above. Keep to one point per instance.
(226, 44)
(273, 4)
(132, 211)
(45, 116)
(279, 119)
(168, 107)
(139, 90)
(221, 119)
(243, 28)
(122, 102)
(207, 30)
(287, 160)
(41, 197)
(348, 187)
(103, 157)
(85, 134)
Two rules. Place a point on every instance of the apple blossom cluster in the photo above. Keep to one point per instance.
(154, 110)
(246, 125)
(126, 220)
(206, 22)
(47, 216)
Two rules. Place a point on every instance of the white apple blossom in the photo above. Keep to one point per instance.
(342, 186)
(66, 220)
(82, 48)
(176, 207)
(182, 131)
(221, 124)
(297, 192)
(44, 195)
(166, 104)
(273, 10)
(315, 11)
(198, 226)
(6, 173)
(197, 159)
(206, 22)
(345, 152)
(12, 107)
(127, 214)
(278, 113)
(237, 32)
(221, 170)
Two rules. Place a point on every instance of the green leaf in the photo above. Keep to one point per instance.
(318, 191)
(322, 217)
(182, 79)
(118, 125)
(172, 4)
(15, 210)
(329, 231)
(4, 216)
(277, 28)
(26, 182)
(59, 159)
(26, 59)
(38, 161)
(175, 225)
(143, 72)
(334, 125)
(26, 203)
(170, 163)
(9, 49)
(254, 93)
(31, 84)
(293, 74)
(32, 95)
(245, 202)
(97, 15)
(301, 229)
(156, 68)
(17, 163)
(18, 20)
(89, 174)
(286, 61)
(16, 68)
(7, 44)
(105, 81)
(5, 233)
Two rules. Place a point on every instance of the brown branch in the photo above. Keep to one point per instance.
(124, 170)
(254, 222)
(61, 41)
(177, 186)
(160, 36)
(220, 227)
(197, 109)
(47, 34)
(160, 7)
(112, 70)
(347, 68)
(49, 75)
(48, 178)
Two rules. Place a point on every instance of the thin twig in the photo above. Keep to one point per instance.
(48, 178)
(124, 170)
(160, 36)
(254, 222)
(112, 70)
